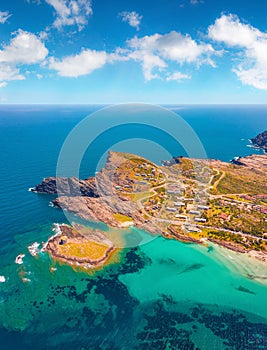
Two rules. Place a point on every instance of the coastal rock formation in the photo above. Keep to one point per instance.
(102, 209)
(67, 186)
(79, 246)
(176, 232)
(260, 141)
(192, 200)
(257, 163)
(174, 160)
(237, 161)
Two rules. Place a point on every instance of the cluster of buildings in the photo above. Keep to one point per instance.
(146, 176)
(249, 207)
(196, 213)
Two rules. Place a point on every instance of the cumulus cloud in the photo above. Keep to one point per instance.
(178, 76)
(71, 12)
(8, 73)
(252, 67)
(24, 49)
(155, 53)
(4, 15)
(132, 18)
(150, 62)
(156, 50)
(81, 64)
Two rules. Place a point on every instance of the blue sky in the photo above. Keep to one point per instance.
(161, 51)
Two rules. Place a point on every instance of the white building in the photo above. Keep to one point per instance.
(200, 220)
(194, 212)
(171, 209)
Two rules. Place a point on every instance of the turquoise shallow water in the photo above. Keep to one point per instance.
(162, 295)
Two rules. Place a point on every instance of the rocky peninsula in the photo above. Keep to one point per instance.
(192, 200)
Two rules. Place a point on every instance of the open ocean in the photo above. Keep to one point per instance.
(162, 295)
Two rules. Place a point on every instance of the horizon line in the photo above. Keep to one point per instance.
(121, 103)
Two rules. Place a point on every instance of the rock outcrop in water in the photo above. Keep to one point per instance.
(260, 141)
(79, 246)
(68, 186)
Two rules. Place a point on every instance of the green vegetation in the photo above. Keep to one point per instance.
(84, 249)
(235, 195)
(239, 183)
(122, 218)
(236, 217)
(141, 195)
(246, 242)
(216, 178)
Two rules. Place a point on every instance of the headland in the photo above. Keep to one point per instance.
(191, 200)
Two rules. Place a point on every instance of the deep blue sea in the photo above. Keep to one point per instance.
(164, 295)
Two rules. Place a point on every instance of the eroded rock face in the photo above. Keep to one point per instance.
(48, 185)
(257, 162)
(260, 141)
(100, 209)
(174, 232)
(68, 186)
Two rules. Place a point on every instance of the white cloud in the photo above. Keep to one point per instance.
(77, 65)
(155, 53)
(231, 31)
(252, 69)
(71, 12)
(4, 15)
(119, 55)
(132, 18)
(9, 72)
(24, 48)
(156, 50)
(149, 63)
(178, 76)
(43, 35)
(3, 84)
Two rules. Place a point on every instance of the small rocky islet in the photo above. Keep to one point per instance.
(79, 246)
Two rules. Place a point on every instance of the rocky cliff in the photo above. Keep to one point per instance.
(260, 141)
(67, 186)
(96, 198)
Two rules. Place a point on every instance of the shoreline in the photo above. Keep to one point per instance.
(231, 247)
(244, 264)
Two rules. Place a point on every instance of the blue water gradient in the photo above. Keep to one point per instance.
(163, 295)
